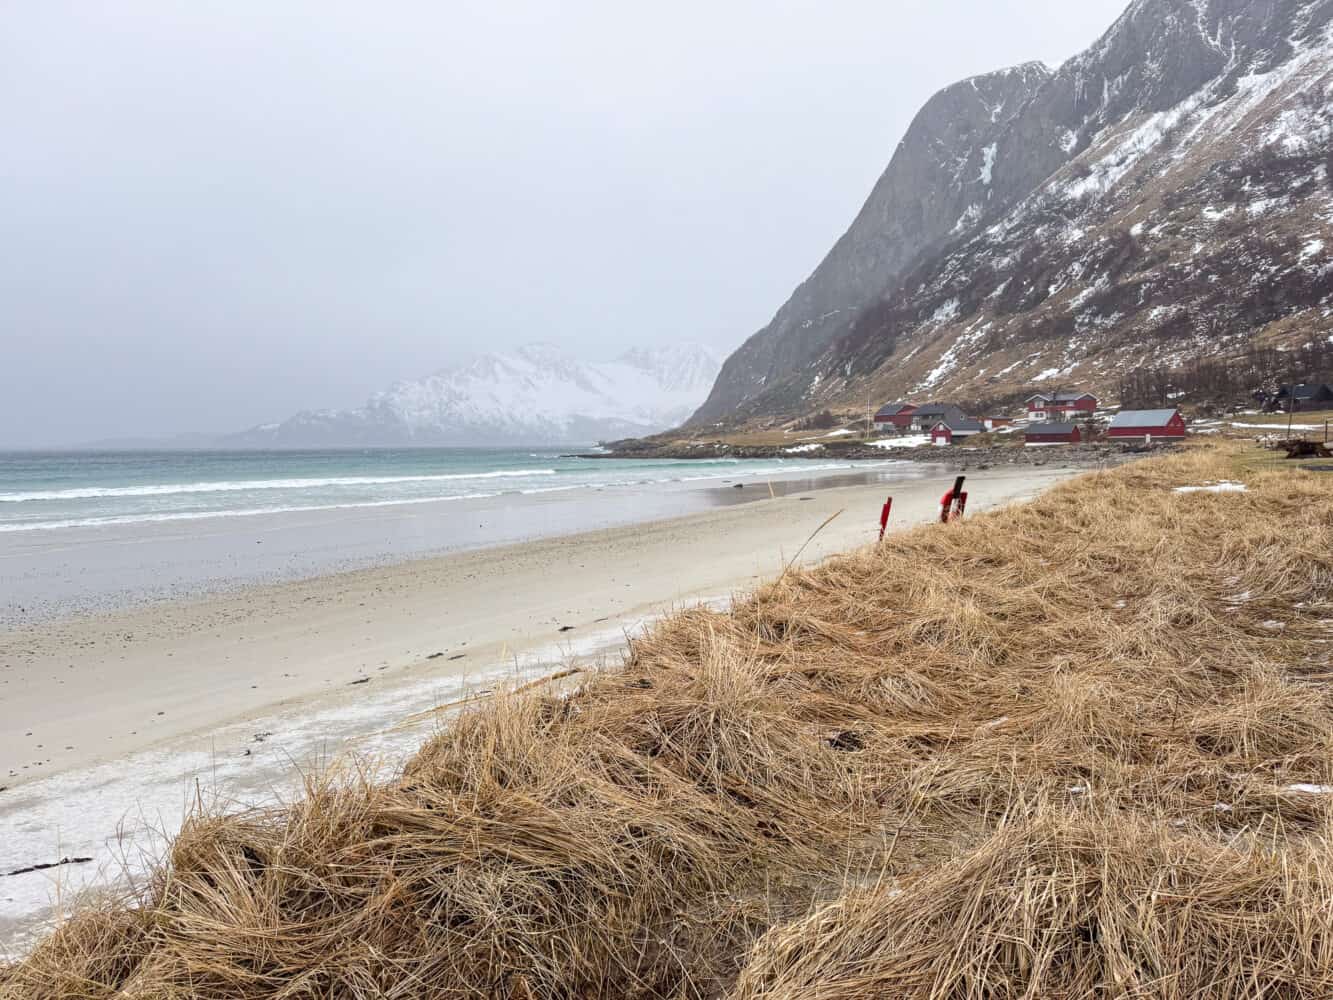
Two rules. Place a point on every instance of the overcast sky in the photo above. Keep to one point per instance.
(214, 215)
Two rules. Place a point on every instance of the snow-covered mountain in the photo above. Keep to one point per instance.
(1165, 196)
(534, 395)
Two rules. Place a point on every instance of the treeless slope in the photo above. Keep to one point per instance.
(1076, 748)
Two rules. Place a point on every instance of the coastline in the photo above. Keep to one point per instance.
(243, 692)
(110, 564)
(961, 457)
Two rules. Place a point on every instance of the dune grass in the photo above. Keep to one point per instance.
(1078, 748)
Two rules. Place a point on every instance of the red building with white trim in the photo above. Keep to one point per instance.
(1059, 405)
(1166, 425)
(946, 431)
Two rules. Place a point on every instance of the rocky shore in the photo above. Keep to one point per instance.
(956, 456)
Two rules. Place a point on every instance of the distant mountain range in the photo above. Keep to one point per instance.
(534, 395)
(1164, 197)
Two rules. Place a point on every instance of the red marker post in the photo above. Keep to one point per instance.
(884, 517)
(953, 503)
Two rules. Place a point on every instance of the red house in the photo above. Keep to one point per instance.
(1054, 405)
(944, 432)
(898, 415)
(1048, 432)
(1154, 424)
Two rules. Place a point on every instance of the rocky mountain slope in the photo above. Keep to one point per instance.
(535, 395)
(1164, 195)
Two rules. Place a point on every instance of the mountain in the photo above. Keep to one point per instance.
(534, 395)
(1164, 196)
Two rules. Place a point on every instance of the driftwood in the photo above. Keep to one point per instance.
(1300, 448)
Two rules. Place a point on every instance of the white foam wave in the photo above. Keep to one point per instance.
(783, 469)
(200, 515)
(234, 486)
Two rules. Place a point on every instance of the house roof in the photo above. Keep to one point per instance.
(1309, 391)
(1050, 427)
(1059, 397)
(938, 410)
(1143, 418)
(961, 424)
(893, 409)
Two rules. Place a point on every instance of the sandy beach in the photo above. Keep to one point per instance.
(86, 689)
(115, 721)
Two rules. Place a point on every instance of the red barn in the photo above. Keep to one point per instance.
(1053, 405)
(898, 415)
(1154, 424)
(1048, 432)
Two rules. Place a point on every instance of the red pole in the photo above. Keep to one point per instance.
(884, 517)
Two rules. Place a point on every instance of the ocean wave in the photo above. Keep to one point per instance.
(241, 485)
(782, 469)
(201, 515)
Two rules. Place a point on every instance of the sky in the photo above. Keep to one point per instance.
(216, 215)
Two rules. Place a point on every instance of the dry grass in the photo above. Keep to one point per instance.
(1045, 752)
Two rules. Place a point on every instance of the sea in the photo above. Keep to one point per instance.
(97, 529)
(65, 491)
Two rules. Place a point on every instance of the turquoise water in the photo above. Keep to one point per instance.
(69, 491)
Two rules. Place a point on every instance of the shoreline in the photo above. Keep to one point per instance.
(94, 569)
(242, 693)
(961, 457)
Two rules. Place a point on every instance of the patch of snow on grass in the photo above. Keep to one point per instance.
(800, 448)
(1262, 206)
(1224, 487)
(1279, 426)
(949, 359)
(905, 441)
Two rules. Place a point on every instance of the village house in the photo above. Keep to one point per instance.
(927, 415)
(1311, 396)
(1050, 432)
(945, 432)
(897, 415)
(1152, 425)
(1057, 405)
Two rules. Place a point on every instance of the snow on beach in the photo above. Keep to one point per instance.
(121, 814)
